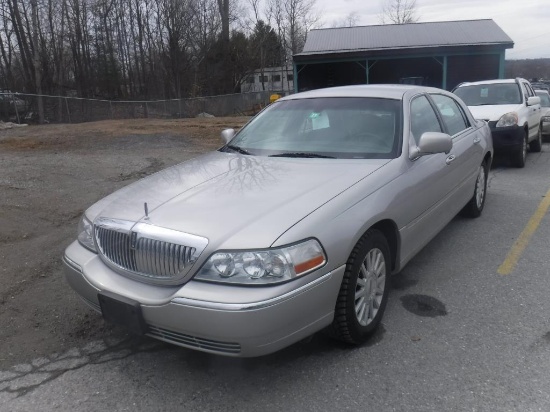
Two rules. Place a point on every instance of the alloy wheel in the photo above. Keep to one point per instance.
(480, 187)
(370, 286)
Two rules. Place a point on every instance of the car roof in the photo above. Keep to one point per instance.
(538, 91)
(493, 81)
(387, 91)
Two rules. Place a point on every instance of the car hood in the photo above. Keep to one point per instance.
(492, 112)
(235, 201)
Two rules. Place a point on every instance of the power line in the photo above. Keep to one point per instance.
(537, 36)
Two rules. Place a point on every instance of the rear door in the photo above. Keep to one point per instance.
(533, 112)
(467, 150)
(429, 181)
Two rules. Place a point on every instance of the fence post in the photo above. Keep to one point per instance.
(179, 104)
(146, 110)
(60, 110)
(68, 111)
(111, 108)
(15, 106)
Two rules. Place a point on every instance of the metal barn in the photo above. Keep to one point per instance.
(439, 54)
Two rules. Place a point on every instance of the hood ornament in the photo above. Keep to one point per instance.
(146, 211)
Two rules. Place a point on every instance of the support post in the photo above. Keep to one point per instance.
(370, 66)
(501, 64)
(444, 82)
(68, 111)
(295, 78)
(15, 107)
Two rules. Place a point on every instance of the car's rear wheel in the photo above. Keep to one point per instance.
(536, 145)
(364, 290)
(476, 204)
(519, 156)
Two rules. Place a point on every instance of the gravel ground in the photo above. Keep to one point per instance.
(48, 176)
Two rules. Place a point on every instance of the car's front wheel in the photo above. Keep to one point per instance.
(364, 290)
(519, 156)
(475, 206)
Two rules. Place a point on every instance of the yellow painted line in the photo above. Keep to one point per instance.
(521, 243)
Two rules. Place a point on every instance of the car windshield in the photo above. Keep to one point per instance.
(489, 94)
(544, 99)
(346, 127)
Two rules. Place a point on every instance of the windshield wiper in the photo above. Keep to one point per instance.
(302, 154)
(238, 149)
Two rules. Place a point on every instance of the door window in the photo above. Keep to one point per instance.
(528, 91)
(452, 114)
(423, 118)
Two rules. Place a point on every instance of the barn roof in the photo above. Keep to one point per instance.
(405, 36)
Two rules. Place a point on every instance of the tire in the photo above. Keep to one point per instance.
(536, 145)
(519, 156)
(364, 290)
(476, 204)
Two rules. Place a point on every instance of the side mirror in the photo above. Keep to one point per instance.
(431, 143)
(531, 101)
(227, 135)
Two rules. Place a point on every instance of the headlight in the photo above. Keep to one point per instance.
(545, 119)
(260, 267)
(509, 119)
(86, 233)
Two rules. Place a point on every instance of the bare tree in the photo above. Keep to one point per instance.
(351, 20)
(398, 12)
(135, 49)
(7, 48)
(300, 17)
(224, 14)
(36, 60)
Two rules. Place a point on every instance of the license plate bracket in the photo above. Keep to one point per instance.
(122, 311)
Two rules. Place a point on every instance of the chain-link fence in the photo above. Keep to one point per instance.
(23, 108)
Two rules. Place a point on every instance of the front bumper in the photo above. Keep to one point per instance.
(506, 138)
(221, 319)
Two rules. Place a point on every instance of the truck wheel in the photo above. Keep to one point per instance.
(519, 156)
(536, 145)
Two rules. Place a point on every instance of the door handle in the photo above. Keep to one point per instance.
(450, 159)
(477, 139)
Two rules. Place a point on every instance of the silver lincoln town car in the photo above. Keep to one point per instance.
(293, 226)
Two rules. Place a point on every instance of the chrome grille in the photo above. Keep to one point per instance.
(161, 259)
(115, 246)
(134, 248)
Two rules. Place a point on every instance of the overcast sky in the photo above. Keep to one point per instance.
(527, 22)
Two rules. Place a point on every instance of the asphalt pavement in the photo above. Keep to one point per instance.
(457, 336)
